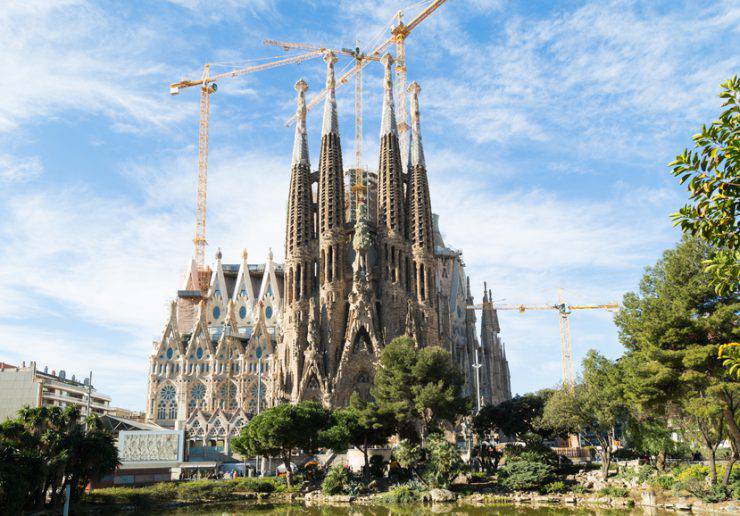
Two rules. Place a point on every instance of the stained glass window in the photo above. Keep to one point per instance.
(242, 312)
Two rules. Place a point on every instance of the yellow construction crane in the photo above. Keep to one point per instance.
(564, 310)
(208, 85)
(359, 59)
(399, 33)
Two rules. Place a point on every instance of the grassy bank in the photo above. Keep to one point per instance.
(196, 491)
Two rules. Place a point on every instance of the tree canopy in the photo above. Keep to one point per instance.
(47, 448)
(672, 330)
(279, 430)
(421, 387)
(519, 417)
(711, 172)
(361, 424)
(592, 407)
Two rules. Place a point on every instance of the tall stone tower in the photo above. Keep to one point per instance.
(332, 234)
(420, 230)
(300, 256)
(393, 247)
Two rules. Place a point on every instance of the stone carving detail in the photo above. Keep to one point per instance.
(150, 447)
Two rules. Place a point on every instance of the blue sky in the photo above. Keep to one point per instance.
(547, 129)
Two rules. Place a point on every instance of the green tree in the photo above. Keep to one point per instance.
(519, 417)
(672, 330)
(361, 424)
(421, 387)
(730, 355)
(443, 461)
(46, 449)
(279, 430)
(712, 174)
(592, 407)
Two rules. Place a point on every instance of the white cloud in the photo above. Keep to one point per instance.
(14, 169)
(119, 372)
(71, 55)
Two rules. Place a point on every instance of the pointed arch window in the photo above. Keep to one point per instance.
(167, 407)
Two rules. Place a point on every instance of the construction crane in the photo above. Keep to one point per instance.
(208, 86)
(359, 58)
(399, 33)
(564, 310)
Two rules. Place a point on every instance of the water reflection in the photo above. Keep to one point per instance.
(373, 510)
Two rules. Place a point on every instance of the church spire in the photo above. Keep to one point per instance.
(331, 122)
(416, 153)
(388, 119)
(300, 143)
(418, 202)
(299, 221)
(391, 209)
(331, 171)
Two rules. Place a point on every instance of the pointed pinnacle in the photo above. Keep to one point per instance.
(331, 122)
(388, 120)
(300, 142)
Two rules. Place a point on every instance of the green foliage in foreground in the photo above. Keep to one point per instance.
(614, 491)
(339, 480)
(191, 491)
(400, 494)
(711, 172)
(279, 430)
(422, 388)
(443, 462)
(526, 475)
(45, 450)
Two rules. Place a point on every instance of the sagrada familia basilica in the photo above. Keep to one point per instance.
(358, 272)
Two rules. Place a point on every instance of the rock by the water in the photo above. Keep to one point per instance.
(442, 496)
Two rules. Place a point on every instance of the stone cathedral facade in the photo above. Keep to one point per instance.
(358, 272)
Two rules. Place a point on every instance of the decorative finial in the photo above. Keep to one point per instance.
(300, 142)
(269, 254)
(218, 254)
(416, 154)
(485, 291)
(331, 121)
(245, 254)
(388, 120)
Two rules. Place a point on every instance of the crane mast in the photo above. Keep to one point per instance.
(200, 217)
(564, 310)
(207, 87)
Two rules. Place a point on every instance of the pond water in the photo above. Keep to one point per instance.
(267, 509)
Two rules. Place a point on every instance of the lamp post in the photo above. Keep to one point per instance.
(477, 365)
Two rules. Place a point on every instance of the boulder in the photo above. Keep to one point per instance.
(647, 498)
(442, 496)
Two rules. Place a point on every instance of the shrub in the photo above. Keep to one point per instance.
(443, 462)
(645, 472)
(615, 491)
(478, 477)
(534, 452)
(256, 485)
(625, 454)
(377, 466)
(665, 482)
(714, 494)
(694, 471)
(579, 489)
(410, 492)
(555, 487)
(526, 475)
(337, 481)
